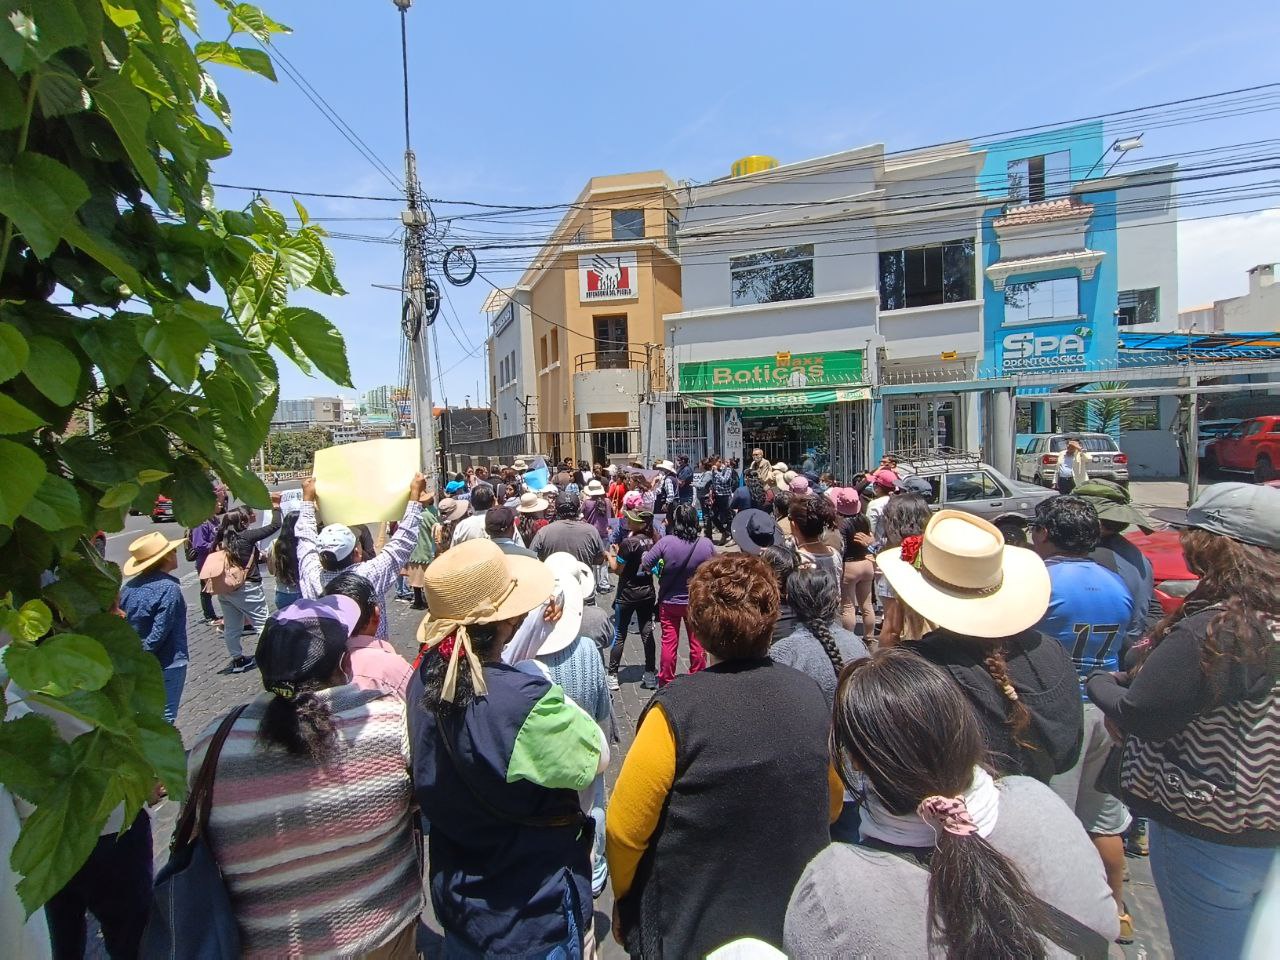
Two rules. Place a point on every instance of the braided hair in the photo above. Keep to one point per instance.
(815, 600)
(1017, 716)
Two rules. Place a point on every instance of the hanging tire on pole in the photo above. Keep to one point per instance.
(410, 319)
(431, 300)
(459, 265)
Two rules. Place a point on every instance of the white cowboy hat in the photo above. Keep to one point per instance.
(532, 503)
(666, 465)
(965, 579)
(780, 471)
(594, 488)
(574, 583)
(147, 551)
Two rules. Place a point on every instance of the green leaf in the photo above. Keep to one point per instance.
(59, 90)
(56, 505)
(33, 758)
(128, 111)
(320, 341)
(143, 74)
(32, 620)
(66, 662)
(243, 58)
(302, 211)
(152, 476)
(192, 492)
(121, 495)
(34, 30)
(53, 370)
(41, 197)
(15, 418)
(85, 586)
(13, 105)
(162, 746)
(13, 351)
(21, 474)
(137, 672)
(301, 255)
(326, 278)
(246, 17)
(112, 343)
(175, 344)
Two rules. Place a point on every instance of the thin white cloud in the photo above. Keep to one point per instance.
(1213, 255)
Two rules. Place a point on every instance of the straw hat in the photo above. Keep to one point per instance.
(779, 475)
(451, 509)
(520, 466)
(574, 583)
(594, 488)
(666, 465)
(961, 576)
(475, 582)
(147, 551)
(532, 503)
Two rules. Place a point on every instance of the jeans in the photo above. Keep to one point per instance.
(175, 678)
(643, 611)
(115, 886)
(248, 604)
(1208, 890)
(670, 616)
(206, 606)
(284, 597)
(1066, 485)
(578, 943)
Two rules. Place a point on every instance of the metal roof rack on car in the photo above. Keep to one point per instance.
(926, 459)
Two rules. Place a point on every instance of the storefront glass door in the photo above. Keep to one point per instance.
(791, 439)
(922, 423)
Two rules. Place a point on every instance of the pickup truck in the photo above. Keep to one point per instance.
(1250, 447)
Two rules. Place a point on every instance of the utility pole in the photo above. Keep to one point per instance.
(414, 310)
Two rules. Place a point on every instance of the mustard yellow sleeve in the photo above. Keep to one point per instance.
(835, 791)
(636, 804)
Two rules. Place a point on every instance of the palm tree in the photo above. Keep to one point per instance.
(1100, 414)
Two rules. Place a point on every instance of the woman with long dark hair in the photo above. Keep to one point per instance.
(315, 764)
(677, 557)
(1201, 721)
(818, 646)
(282, 562)
(905, 515)
(247, 604)
(499, 755)
(951, 862)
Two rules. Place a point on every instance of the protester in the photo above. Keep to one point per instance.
(471, 527)
(664, 487)
(597, 511)
(532, 516)
(282, 562)
(985, 598)
(684, 480)
(153, 604)
(1072, 467)
(311, 822)
(781, 508)
(703, 847)
(498, 758)
(905, 516)
(724, 480)
(858, 569)
(810, 516)
(818, 646)
(246, 605)
(370, 664)
(753, 530)
(1201, 721)
(569, 534)
(617, 489)
(881, 485)
(635, 598)
(334, 550)
(500, 527)
(680, 553)
(750, 496)
(451, 511)
(424, 551)
(702, 479)
(952, 863)
(783, 560)
(203, 541)
(1115, 514)
(1089, 609)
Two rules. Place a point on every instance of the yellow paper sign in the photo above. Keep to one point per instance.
(366, 482)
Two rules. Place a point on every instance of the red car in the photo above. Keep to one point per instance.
(1173, 580)
(1251, 447)
(163, 510)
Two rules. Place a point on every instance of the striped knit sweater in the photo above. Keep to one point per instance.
(319, 860)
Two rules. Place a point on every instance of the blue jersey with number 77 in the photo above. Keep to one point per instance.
(1089, 610)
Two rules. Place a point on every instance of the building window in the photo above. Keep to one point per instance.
(673, 227)
(495, 388)
(772, 276)
(555, 345)
(1056, 299)
(925, 276)
(1138, 306)
(611, 342)
(628, 224)
(542, 353)
(1040, 178)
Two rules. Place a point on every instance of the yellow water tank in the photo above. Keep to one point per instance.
(753, 164)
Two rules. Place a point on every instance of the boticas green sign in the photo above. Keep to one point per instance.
(773, 403)
(779, 373)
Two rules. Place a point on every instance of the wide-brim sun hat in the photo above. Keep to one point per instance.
(1247, 512)
(666, 465)
(147, 551)
(594, 489)
(961, 576)
(532, 503)
(574, 582)
(451, 510)
(753, 530)
(520, 465)
(1112, 502)
(780, 471)
(846, 500)
(638, 516)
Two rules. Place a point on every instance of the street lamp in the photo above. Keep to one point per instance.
(1120, 146)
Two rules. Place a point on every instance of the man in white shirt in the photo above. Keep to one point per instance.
(472, 528)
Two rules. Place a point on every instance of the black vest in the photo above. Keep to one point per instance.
(748, 810)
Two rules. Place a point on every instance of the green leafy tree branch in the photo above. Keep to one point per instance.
(125, 292)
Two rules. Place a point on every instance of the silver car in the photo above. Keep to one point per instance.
(966, 483)
(1037, 461)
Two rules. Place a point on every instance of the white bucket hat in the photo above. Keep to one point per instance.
(574, 583)
(594, 489)
(961, 576)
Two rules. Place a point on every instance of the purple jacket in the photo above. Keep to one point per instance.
(681, 560)
(202, 540)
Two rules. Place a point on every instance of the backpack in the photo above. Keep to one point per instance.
(221, 575)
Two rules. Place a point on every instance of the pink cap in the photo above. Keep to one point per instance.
(799, 485)
(886, 478)
(845, 500)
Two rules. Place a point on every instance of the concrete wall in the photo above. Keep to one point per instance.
(506, 399)
(1147, 242)
(1152, 454)
(1258, 310)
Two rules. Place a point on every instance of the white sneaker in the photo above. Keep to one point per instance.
(611, 680)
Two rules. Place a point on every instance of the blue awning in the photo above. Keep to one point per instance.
(1204, 346)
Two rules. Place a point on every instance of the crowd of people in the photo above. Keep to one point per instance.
(900, 735)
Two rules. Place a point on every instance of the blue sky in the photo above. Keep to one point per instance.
(523, 102)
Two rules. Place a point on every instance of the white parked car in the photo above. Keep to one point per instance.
(1037, 461)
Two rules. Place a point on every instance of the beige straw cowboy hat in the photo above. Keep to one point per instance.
(475, 582)
(147, 551)
(961, 576)
(532, 503)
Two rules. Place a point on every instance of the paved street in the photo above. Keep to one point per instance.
(210, 691)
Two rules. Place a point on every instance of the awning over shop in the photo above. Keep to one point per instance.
(768, 402)
(1205, 347)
